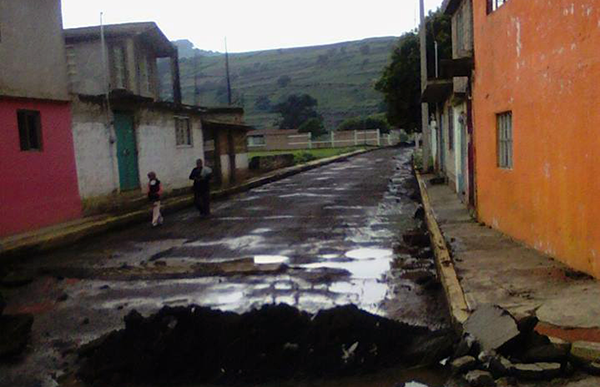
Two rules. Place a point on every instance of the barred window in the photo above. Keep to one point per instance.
(183, 131)
(256, 140)
(495, 4)
(505, 140)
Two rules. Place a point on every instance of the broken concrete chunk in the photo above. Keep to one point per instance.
(592, 368)
(586, 351)
(500, 366)
(464, 346)
(507, 381)
(536, 371)
(479, 378)
(560, 343)
(546, 353)
(463, 364)
(491, 326)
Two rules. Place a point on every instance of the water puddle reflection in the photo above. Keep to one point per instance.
(270, 259)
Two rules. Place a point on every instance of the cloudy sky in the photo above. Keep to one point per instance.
(252, 25)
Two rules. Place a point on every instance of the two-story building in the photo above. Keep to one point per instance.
(450, 95)
(37, 162)
(122, 130)
(535, 104)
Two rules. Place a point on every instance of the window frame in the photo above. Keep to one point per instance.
(183, 136)
(494, 5)
(505, 140)
(252, 140)
(25, 130)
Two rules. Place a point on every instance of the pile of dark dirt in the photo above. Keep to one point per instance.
(196, 344)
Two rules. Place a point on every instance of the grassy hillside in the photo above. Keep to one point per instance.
(339, 76)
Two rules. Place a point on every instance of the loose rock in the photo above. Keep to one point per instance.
(546, 353)
(480, 378)
(536, 371)
(463, 364)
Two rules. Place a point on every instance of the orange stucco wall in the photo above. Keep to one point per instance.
(541, 60)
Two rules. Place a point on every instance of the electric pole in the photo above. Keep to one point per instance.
(426, 134)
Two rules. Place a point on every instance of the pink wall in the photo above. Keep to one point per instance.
(37, 189)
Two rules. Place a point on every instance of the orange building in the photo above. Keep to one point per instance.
(536, 105)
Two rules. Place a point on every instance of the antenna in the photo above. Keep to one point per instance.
(227, 71)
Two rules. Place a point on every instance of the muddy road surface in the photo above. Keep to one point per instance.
(320, 239)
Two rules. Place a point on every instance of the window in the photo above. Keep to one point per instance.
(451, 128)
(183, 131)
(30, 130)
(505, 140)
(495, 4)
(256, 140)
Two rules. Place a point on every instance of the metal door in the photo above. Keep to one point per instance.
(126, 152)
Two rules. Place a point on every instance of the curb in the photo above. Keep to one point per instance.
(32, 243)
(455, 297)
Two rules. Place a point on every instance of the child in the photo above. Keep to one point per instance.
(154, 192)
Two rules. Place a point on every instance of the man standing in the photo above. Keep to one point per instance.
(201, 176)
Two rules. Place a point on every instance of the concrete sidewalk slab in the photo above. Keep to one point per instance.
(494, 269)
(63, 234)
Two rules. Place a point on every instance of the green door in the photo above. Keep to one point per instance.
(126, 152)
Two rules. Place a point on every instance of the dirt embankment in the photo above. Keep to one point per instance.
(197, 344)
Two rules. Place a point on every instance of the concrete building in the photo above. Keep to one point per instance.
(451, 94)
(37, 162)
(536, 115)
(122, 130)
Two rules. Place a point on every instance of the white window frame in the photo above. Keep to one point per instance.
(183, 132)
(252, 140)
(504, 134)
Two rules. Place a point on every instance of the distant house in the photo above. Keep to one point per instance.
(451, 94)
(535, 101)
(276, 139)
(122, 129)
(37, 162)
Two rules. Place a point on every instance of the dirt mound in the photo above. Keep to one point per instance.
(197, 344)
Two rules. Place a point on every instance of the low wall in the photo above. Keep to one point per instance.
(270, 163)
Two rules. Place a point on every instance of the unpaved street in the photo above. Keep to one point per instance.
(319, 239)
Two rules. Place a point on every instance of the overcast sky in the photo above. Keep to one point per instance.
(252, 25)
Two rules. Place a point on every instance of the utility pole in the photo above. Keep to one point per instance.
(196, 91)
(227, 71)
(424, 106)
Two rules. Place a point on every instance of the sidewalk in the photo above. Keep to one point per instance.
(66, 233)
(486, 267)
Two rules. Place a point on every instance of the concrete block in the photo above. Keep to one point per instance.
(491, 326)
(536, 371)
(479, 378)
(463, 364)
(586, 351)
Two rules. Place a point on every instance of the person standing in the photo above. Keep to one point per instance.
(201, 176)
(154, 192)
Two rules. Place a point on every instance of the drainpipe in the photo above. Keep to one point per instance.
(112, 136)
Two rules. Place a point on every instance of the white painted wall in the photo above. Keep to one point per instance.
(97, 164)
(225, 169)
(158, 152)
(94, 155)
(241, 161)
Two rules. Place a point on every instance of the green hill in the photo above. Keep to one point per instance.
(340, 76)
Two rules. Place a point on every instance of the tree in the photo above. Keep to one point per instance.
(263, 103)
(373, 122)
(314, 126)
(295, 110)
(400, 82)
(284, 81)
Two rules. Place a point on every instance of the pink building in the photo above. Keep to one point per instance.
(37, 161)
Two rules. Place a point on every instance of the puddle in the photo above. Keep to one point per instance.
(369, 253)
(247, 241)
(269, 259)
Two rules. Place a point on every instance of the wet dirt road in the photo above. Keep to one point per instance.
(319, 239)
